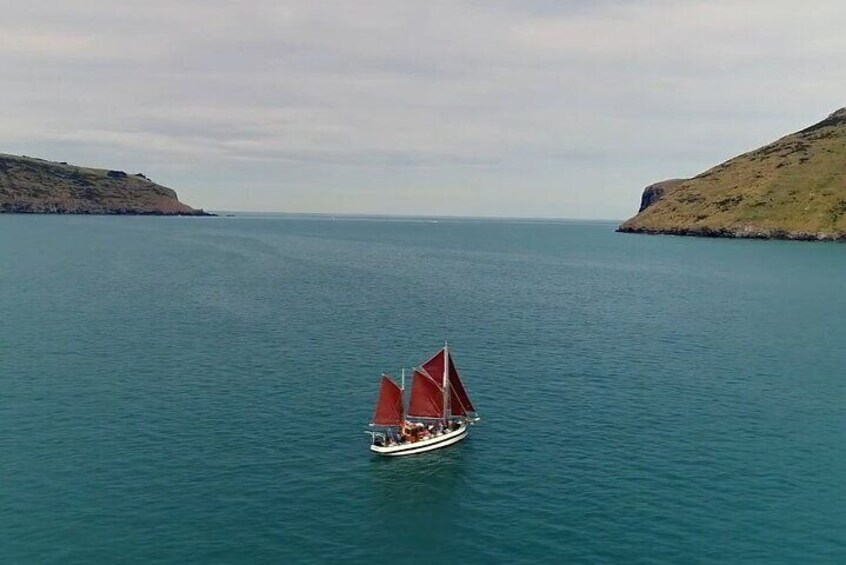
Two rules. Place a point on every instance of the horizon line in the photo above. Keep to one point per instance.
(365, 215)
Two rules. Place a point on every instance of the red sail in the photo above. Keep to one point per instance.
(434, 367)
(455, 407)
(458, 393)
(427, 398)
(389, 408)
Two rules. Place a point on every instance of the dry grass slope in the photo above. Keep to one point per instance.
(793, 188)
(31, 185)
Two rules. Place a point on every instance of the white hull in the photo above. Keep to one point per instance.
(423, 445)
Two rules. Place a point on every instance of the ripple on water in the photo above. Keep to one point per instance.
(182, 391)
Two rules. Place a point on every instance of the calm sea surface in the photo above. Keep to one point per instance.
(195, 391)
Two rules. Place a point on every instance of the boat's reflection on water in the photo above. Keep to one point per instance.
(427, 486)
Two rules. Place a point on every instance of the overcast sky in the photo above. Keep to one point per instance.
(482, 108)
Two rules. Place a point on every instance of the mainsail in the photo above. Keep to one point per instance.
(434, 367)
(459, 401)
(389, 409)
(427, 398)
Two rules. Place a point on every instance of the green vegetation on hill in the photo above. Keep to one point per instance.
(793, 188)
(35, 186)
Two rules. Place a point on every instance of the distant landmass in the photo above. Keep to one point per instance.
(793, 188)
(29, 185)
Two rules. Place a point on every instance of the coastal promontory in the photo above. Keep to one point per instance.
(793, 188)
(30, 185)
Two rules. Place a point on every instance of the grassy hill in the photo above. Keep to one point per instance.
(35, 186)
(793, 188)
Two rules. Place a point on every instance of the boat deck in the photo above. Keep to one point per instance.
(422, 445)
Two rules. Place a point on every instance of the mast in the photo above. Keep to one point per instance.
(446, 381)
(402, 385)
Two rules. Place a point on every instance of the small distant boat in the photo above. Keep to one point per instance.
(439, 411)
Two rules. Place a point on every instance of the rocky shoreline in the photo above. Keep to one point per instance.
(747, 233)
(791, 189)
(29, 185)
(27, 208)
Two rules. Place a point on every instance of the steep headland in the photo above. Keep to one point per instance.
(34, 186)
(793, 188)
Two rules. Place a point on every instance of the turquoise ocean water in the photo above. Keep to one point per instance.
(195, 391)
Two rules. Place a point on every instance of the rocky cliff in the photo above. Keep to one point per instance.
(35, 186)
(793, 188)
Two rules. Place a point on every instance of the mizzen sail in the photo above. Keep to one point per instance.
(389, 409)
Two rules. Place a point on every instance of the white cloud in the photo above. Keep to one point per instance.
(546, 108)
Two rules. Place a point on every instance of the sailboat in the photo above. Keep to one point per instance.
(439, 410)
